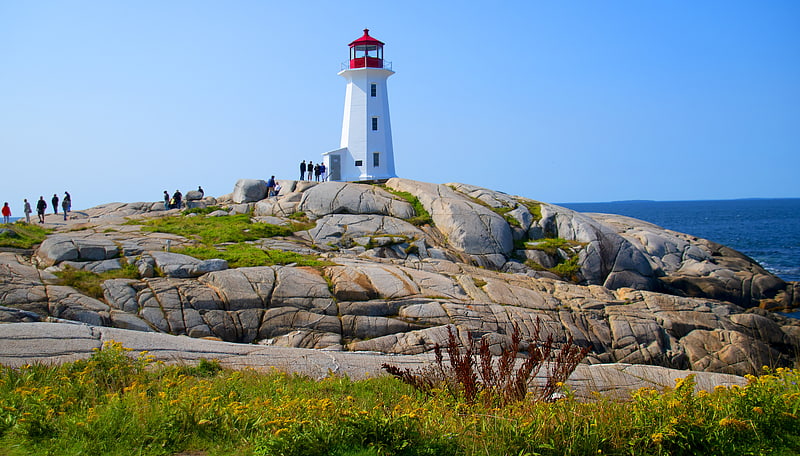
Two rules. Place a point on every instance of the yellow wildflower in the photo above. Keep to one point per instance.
(657, 438)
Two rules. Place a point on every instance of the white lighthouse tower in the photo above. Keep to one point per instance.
(365, 151)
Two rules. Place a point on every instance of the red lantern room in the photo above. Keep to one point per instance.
(366, 52)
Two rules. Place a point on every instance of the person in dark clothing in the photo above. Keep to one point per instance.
(271, 186)
(310, 169)
(200, 190)
(65, 207)
(55, 203)
(176, 198)
(166, 200)
(302, 170)
(316, 172)
(68, 200)
(40, 208)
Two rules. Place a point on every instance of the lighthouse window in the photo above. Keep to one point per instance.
(359, 163)
(376, 159)
(373, 90)
(374, 124)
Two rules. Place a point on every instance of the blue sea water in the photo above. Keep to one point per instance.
(767, 230)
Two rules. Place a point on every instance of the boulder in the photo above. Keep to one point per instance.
(249, 190)
(347, 198)
(183, 266)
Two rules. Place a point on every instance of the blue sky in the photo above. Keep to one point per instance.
(555, 101)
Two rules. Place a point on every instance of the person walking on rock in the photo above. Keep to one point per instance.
(40, 208)
(55, 203)
(6, 213)
(302, 170)
(27, 210)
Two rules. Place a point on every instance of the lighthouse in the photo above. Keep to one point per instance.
(365, 151)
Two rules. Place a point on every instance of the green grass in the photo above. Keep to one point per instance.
(201, 210)
(566, 268)
(422, 217)
(551, 246)
(121, 403)
(245, 255)
(90, 282)
(216, 230)
(534, 208)
(28, 235)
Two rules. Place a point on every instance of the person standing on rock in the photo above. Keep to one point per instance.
(310, 169)
(68, 200)
(166, 200)
(271, 187)
(316, 172)
(65, 208)
(6, 213)
(322, 170)
(201, 192)
(55, 203)
(176, 199)
(302, 170)
(27, 210)
(40, 208)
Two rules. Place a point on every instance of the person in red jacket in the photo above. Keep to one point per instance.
(6, 213)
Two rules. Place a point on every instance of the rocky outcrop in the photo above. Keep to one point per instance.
(28, 343)
(638, 294)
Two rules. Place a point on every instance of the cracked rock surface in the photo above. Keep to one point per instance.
(638, 294)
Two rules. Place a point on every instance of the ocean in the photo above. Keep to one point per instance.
(767, 230)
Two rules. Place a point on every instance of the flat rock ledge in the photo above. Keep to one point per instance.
(55, 343)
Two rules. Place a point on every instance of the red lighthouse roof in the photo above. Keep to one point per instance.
(366, 39)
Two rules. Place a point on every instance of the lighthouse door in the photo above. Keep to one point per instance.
(335, 172)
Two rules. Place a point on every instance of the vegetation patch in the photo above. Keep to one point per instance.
(551, 246)
(568, 267)
(246, 255)
(90, 283)
(201, 210)
(216, 230)
(534, 208)
(422, 217)
(23, 235)
(119, 402)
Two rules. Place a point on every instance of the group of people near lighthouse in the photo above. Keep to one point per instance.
(41, 208)
(314, 172)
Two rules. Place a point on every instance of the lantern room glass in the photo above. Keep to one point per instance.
(366, 50)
